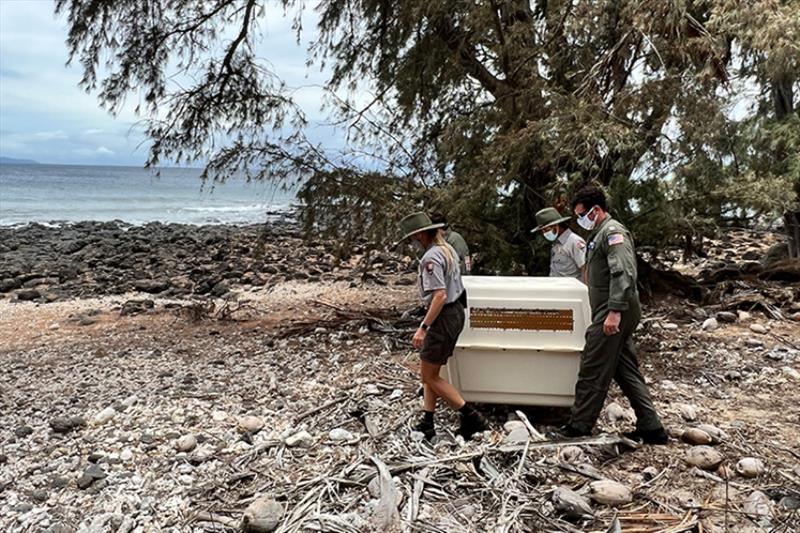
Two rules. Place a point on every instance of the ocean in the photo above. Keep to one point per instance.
(71, 193)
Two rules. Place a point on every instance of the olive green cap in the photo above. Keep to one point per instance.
(416, 222)
(547, 217)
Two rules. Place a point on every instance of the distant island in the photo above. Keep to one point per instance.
(14, 161)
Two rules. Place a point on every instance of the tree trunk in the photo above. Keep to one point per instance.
(791, 223)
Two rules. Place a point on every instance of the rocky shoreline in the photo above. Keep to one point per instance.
(47, 263)
(283, 400)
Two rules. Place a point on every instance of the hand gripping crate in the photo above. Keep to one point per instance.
(522, 340)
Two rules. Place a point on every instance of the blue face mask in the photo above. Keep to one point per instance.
(551, 235)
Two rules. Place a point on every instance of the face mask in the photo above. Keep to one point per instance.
(551, 235)
(584, 221)
(417, 246)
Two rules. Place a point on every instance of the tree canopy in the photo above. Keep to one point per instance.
(486, 110)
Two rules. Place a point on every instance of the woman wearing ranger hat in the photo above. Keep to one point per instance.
(443, 295)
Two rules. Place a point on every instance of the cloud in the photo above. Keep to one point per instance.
(49, 135)
(93, 131)
(102, 150)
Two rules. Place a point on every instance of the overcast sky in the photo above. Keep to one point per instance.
(45, 116)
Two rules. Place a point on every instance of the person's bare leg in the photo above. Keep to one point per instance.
(429, 398)
(440, 387)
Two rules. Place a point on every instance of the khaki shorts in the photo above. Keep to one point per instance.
(440, 341)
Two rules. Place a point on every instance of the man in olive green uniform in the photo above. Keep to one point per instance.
(609, 352)
(455, 240)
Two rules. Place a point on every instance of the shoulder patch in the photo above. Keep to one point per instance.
(617, 238)
(580, 245)
(429, 266)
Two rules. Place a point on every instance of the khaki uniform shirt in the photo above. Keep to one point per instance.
(611, 260)
(434, 274)
(567, 256)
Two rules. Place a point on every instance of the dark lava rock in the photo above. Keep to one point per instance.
(151, 285)
(9, 284)
(727, 316)
(95, 457)
(84, 481)
(134, 307)
(39, 495)
(23, 431)
(59, 482)
(95, 471)
(23, 508)
(27, 295)
(63, 424)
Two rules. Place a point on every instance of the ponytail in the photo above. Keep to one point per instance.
(439, 241)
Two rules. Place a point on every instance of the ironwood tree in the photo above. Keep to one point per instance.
(486, 110)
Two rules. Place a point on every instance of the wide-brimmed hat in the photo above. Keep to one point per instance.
(547, 217)
(416, 222)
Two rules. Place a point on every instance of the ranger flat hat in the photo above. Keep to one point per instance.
(547, 217)
(416, 222)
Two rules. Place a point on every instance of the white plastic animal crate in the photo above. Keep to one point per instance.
(522, 340)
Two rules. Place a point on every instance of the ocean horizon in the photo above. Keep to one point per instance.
(52, 194)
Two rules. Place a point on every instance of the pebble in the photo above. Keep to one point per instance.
(39, 495)
(753, 343)
(791, 373)
(670, 326)
(396, 394)
(610, 492)
(340, 435)
(758, 328)
(511, 425)
(726, 316)
(687, 412)
(186, 443)
(262, 516)
(517, 436)
(649, 473)
(710, 324)
(704, 457)
(744, 316)
(126, 455)
(63, 424)
(301, 439)
(219, 416)
(23, 431)
(104, 416)
(616, 413)
(757, 504)
(251, 424)
(372, 390)
(750, 467)
(571, 454)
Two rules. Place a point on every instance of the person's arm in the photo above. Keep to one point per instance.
(578, 254)
(437, 302)
(434, 282)
(621, 267)
(468, 263)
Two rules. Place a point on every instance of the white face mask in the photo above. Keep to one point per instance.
(551, 235)
(417, 245)
(584, 221)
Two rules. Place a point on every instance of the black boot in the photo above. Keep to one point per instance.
(471, 422)
(425, 425)
(649, 436)
(565, 433)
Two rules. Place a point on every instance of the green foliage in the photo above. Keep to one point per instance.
(486, 110)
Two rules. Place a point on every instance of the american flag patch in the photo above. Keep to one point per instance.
(617, 238)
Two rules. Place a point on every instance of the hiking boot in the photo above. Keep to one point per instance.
(471, 422)
(648, 436)
(426, 428)
(565, 432)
